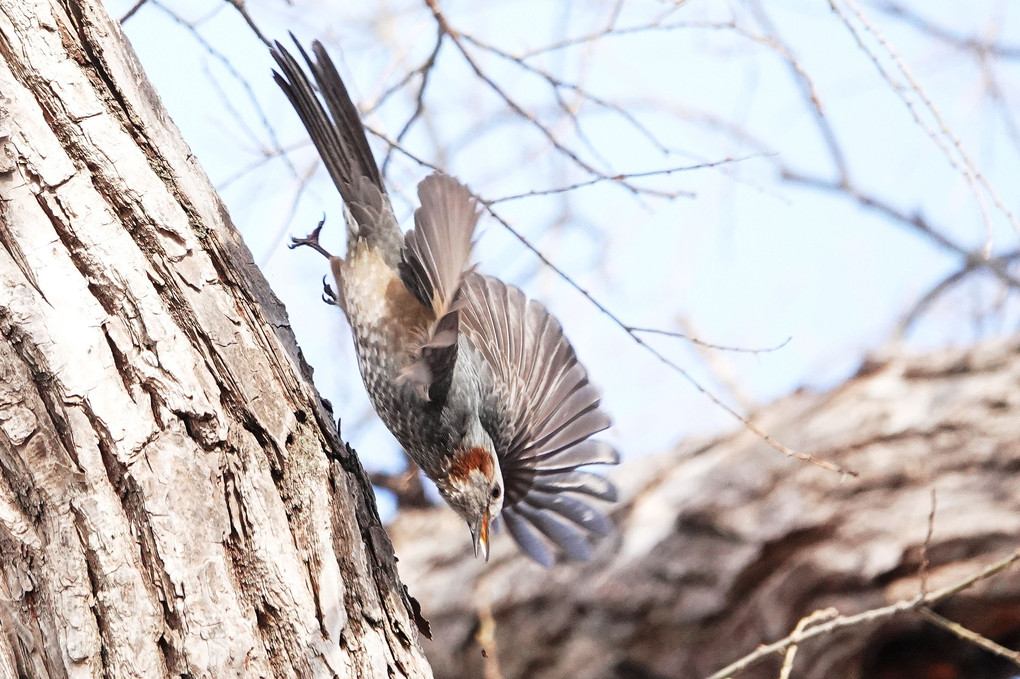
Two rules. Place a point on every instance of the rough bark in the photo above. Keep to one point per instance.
(174, 500)
(726, 544)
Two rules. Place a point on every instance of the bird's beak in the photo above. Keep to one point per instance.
(480, 535)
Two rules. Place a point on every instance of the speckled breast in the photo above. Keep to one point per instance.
(389, 325)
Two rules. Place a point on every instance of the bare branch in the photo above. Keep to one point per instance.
(459, 41)
(709, 345)
(971, 44)
(971, 636)
(944, 137)
(131, 12)
(916, 222)
(807, 88)
(243, 11)
(865, 618)
(425, 70)
(926, 545)
(805, 622)
(971, 265)
(241, 80)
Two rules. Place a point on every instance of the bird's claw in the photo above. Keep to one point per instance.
(328, 296)
(311, 240)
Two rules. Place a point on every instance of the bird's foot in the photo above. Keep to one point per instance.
(328, 296)
(312, 241)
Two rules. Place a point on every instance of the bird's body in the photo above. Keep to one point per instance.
(389, 325)
(477, 383)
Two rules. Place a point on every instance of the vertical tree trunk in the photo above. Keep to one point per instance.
(167, 501)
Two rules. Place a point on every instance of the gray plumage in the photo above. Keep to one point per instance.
(477, 382)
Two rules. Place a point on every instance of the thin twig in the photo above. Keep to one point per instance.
(459, 41)
(486, 634)
(971, 636)
(425, 70)
(977, 45)
(243, 11)
(131, 12)
(709, 345)
(808, 91)
(961, 160)
(622, 178)
(656, 26)
(925, 547)
(281, 233)
(970, 266)
(228, 65)
(915, 221)
(805, 622)
(867, 617)
(557, 83)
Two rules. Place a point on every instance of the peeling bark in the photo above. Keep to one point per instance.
(174, 499)
(725, 544)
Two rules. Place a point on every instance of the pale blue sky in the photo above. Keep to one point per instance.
(747, 259)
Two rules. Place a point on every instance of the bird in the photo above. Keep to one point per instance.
(476, 381)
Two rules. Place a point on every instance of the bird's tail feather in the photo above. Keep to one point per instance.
(334, 125)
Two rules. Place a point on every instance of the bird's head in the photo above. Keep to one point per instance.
(474, 487)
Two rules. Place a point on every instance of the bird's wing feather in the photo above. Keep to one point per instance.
(540, 411)
(437, 249)
(434, 256)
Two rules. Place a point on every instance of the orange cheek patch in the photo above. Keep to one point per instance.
(472, 458)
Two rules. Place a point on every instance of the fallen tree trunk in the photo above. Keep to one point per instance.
(724, 545)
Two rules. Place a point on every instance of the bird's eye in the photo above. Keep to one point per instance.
(496, 492)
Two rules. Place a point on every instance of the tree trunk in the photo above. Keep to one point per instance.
(174, 499)
(726, 544)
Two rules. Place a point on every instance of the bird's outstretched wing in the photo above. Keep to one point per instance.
(540, 411)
